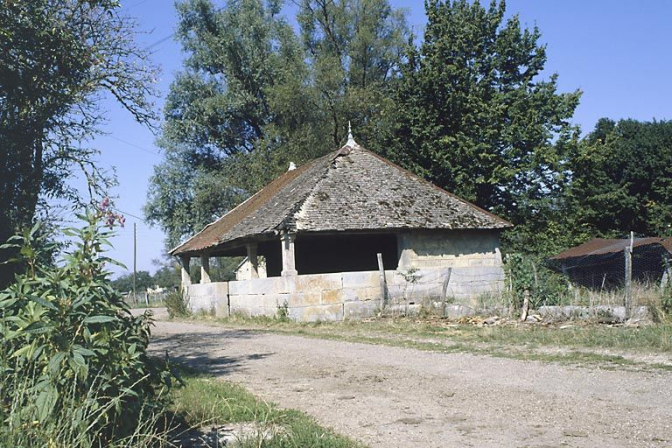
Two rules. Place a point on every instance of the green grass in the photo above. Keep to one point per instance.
(204, 400)
(578, 343)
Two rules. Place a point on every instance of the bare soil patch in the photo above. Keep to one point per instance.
(399, 397)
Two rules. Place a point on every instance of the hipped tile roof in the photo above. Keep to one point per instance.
(351, 189)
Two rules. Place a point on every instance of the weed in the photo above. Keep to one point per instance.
(176, 304)
(206, 400)
(283, 312)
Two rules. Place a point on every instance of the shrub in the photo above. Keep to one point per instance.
(176, 304)
(524, 273)
(73, 359)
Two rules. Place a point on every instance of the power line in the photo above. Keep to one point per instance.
(129, 214)
(160, 41)
(134, 145)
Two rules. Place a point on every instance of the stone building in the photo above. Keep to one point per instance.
(344, 236)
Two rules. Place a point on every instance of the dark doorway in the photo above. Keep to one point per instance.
(320, 254)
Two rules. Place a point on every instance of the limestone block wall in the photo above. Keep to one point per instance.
(454, 248)
(415, 288)
(209, 297)
(356, 295)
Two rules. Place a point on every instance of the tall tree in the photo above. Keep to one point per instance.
(355, 49)
(471, 114)
(58, 57)
(254, 96)
(622, 179)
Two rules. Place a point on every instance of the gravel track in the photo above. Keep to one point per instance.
(399, 397)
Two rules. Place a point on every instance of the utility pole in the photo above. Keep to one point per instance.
(135, 257)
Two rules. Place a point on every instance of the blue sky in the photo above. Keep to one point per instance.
(617, 52)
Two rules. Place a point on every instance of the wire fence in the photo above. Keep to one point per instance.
(630, 278)
(146, 299)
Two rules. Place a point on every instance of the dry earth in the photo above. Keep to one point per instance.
(400, 397)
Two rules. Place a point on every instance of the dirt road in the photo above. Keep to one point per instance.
(398, 397)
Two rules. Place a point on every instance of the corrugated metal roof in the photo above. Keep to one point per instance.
(348, 189)
(603, 246)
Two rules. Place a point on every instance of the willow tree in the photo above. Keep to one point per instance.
(255, 95)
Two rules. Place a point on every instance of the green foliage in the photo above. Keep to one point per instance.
(621, 179)
(283, 312)
(176, 305)
(529, 275)
(666, 300)
(58, 57)
(143, 280)
(69, 341)
(254, 96)
(471, 114)
(204, 399)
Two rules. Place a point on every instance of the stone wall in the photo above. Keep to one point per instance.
(454, 248)
(209, 298)
(348, 295)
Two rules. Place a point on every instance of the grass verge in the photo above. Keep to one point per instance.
(206, 401)
(572, 343)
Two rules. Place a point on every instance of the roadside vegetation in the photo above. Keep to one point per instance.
(73, 364)
(214, 407)
(571, 342)
(75, 372)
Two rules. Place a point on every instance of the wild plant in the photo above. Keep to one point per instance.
(73, 358)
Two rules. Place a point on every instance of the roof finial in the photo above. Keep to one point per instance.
(351, 141)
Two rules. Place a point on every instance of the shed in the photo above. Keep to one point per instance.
(600, 262)
(321, 227)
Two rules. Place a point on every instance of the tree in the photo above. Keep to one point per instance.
(58, 58)
(622, 179)
(255, 96)
(471, 115)
(143, 280)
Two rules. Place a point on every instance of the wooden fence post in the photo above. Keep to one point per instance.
(383, 282)
(628, 276)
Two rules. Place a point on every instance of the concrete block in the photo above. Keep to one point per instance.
(458, 311)
(222, 306)
(361, 294)
(396, 292)
(332, 297)
(364, 279)
(315, 313)
(208, 297)
(297, 300)
(257, 311)
(418, 291)
(270, 285)
(318, 282)
(239, 287)
(360, 310)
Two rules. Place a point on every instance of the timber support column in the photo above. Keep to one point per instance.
(253, 259)
(288, 260)
(205, 269)
(186, 278)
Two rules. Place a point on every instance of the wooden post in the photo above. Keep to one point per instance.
(383, 282)
(444, 288)
(205, 269)
(526, 306)
(667, 277)
(628, 276)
